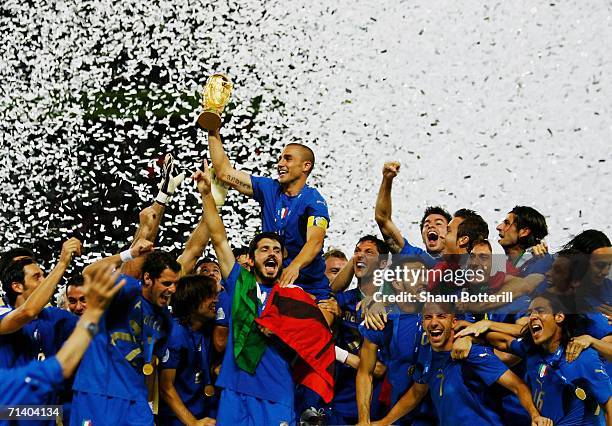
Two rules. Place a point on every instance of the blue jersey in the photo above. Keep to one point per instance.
(272, 380)
(556, 384)
(188, 353)
(399, 342)
(131, 330)
(461, 390)
(413, 251)
(526, 265)
(349, 338)
(224, 308)
(37, 340)
(31, 384)
(594, 296)
(289, 217)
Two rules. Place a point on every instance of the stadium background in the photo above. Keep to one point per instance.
(486, 104)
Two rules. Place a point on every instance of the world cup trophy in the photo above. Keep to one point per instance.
(216, 95)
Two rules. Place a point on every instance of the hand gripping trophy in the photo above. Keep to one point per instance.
(216, 95)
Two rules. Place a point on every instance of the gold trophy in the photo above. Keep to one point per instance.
(216, 95)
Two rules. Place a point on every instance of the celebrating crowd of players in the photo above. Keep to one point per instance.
(274, 334)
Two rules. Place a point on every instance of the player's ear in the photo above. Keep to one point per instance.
(17, 287)
(463, 241)
(559, 317)
(523, 232)
(146, 279)
(306, 166)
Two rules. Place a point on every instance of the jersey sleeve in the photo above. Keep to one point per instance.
(4, 311)
(223, 309)
(172, 356)
(64, 324)
(230, 282)
(317, 212)
(594, 376)
(519, 347)
(414, 251)
(485, 364)
(262, 187)
(129, 291)
(375, 336)
(32, 383)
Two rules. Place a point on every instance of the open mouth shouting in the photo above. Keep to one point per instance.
(536, 329)
(432, 237)
(164, 299)
(282, 172)
(435, 336)
(360, 267)
(271, 266)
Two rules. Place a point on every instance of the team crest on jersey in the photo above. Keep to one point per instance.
(220, 314)
(543, 370)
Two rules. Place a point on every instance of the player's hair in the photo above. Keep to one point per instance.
(335, 253)
(203, 261)
(568, 325)
(481, 242)
(529, 218)
(156, 262)
(7, 257)
(435, 210)
(579, 263)
(381, 246)
(474, 227)
(588, 241)
(191, 291)
(240, 251)
(255, 241)
(465, 213)
(14, 272)
(307, 154)
(448, 307)
(75, 280)
(399, 260)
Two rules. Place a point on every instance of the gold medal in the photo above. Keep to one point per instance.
(147, 369)
(580, 393)
(209, 390)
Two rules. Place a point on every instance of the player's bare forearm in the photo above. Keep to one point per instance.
(237, 179)
(343, 278)
(39, 298)
(500, 341)
(170, 395)
(382, 214)
(365, 374)
(406, 403)
(218, 236)
(311, 249)
(514, 384)
(194, 247)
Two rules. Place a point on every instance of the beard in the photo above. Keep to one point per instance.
(260, 271)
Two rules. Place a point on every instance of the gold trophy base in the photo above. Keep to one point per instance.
(209, 120)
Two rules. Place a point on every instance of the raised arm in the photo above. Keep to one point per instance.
(139, 249)
(343, 278)
(39, 298)
(99, 288)
(237, 179)
(214, 223)
(194, 247)
(382, 212)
